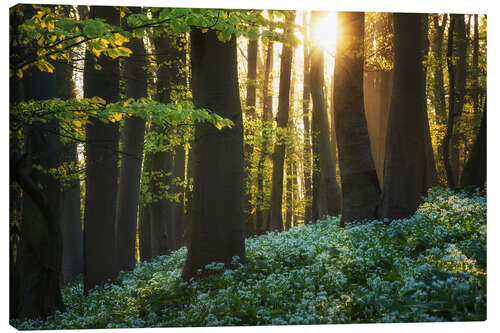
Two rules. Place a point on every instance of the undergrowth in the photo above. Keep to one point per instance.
(430, 267)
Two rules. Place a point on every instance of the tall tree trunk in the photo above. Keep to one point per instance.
(360, 186)
(438, 101)
(321, 130)
(333, 141)
(290, 162)
(474, 173)
(188, 217)
(475, 66)
(178, 189)
(276, 214)
(267, 115)
(40, 253)
(131, 162)
(71, 223)
(162, 228)
(218, 223)
(250, 116)
(457, 75)
(102, 167)
(36, 266)
(306, 101)
(70, 218)
(430, 178)
(145, 238)
(407, 174)
(170, 58)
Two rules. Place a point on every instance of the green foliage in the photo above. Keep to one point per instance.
(47, 36)
(314, 274)
(78, 112)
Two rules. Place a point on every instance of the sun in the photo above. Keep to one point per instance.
(324, 31)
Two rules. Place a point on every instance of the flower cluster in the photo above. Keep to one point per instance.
(429, 267)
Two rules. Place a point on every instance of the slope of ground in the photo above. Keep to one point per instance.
(430, 267)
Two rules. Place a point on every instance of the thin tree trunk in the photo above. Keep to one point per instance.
(266, 119)
(145, 238)
(170, 58)
(250, 116)
(333, 140)
(290, 162)
(457, 75)
(407, 173)
(438, 101)
(276, 214)
(360, 186)
(218, 223)
(178, 206)
(306, 101)
(475, 66)
(102, 167)
(131, 163)
(70, 215)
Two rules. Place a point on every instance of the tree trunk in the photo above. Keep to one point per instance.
(321, 130)
(162, 228)
(438, 101)
(253, 46)
(360, 186)
(218, 223)
(333, 141)
(475, 66)
(276, 214)
(306, 101)
(35, 268)
(178, 189)
(408, 168)
(188, 217)
(145, 238)
(474, 174)
(70, 216)
(131, 162)
(102, 167)
(170, 59)
(457, 75)
(40, 253)
(267, 115)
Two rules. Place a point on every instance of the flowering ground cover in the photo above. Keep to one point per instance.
(430, 267)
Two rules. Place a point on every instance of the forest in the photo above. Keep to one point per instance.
(174, 167)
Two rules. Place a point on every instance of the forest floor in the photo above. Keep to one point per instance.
(430, 267)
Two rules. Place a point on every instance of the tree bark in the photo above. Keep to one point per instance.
(145, 238)
(40, 253)
(131, 162)
(218, 223)
(474, 173)
(408, 168)
(360, 186)
(102, 167)
(70, 216)
(170, 59)
(267, 115)
(306, 101)
(178, 189)
(276, 213)
(250, 116)
(457, 75)
(438, 101)
(321, 133)
(475, 66)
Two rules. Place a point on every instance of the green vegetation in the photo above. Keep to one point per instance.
(429, 267)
